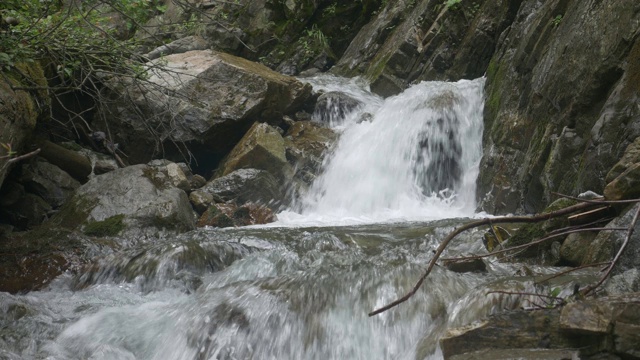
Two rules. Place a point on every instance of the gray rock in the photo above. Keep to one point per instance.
(332, 106)
(134, 198)
(547, 128)
(410, 41)
(201, 100)
(575, 247)
(625, 186)
(49, 182)
(307, 143)
(247, 185)
(183, 45)
(630, 157)
(261, 148)
(626, 282)
(607, 243)
(201, 200)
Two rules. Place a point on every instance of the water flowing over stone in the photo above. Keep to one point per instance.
(293, 292)
(416, 157)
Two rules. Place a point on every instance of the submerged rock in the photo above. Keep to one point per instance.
(333, 106)
(594, 328)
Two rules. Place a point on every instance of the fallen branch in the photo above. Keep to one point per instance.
(570, 271)
(475, 224)
(630, 230)
(536, 242)
(22, 157)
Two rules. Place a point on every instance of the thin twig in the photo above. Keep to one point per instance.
(598, 201)
(570, 271)
(630, 230)
(536, 242)
(475, 224)
(22, 157)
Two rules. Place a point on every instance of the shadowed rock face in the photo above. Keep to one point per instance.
(561, 102)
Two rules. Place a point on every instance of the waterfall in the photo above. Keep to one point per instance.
(413, 156)
(297, 292)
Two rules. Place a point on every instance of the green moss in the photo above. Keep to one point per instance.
(74, 212)
(559, 204)
(110, 226)
(526, 234)
(495, 77)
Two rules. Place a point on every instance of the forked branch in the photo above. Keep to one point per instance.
(519, 219)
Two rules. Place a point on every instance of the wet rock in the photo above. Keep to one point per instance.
(261, 148)
(32, 273)
(555, 119)
(49, 182)
(493, 239)
(146, 203)
(230, 215)
(473, 265)
(402, 44)
(245, 185)
(607, 243)
(213, 99)
(333, 106)
(306, 145)
(615, 320)
(630, 157)
(513, 330)
(625, 186)
(179, 263)
(575, 247)
(520, 354)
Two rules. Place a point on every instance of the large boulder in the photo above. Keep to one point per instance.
(131, 201)
(198, 104)
(562, 93)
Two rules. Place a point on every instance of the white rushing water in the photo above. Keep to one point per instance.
(298, 292)
(410, 157)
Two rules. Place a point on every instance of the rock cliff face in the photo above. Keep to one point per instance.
(562, 84)
(562, 95)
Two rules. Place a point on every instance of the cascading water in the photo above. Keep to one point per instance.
(414, 157)
(291, 292)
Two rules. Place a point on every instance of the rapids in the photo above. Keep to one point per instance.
(300, 288)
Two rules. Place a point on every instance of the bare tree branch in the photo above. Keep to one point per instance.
(475, 224)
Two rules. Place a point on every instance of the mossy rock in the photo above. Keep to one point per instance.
(110, 226)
